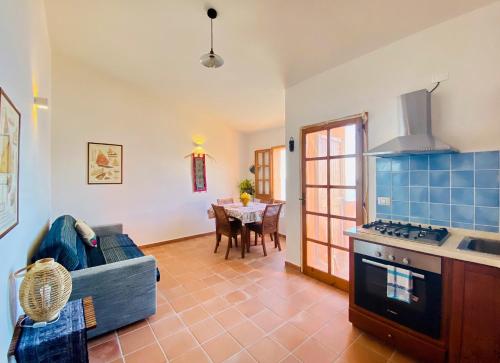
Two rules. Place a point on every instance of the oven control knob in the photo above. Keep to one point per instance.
(406, 261)
(391, 257)
(378, 254)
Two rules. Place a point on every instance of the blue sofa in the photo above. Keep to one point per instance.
(118, 276)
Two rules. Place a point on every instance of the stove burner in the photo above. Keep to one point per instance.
(435, 236)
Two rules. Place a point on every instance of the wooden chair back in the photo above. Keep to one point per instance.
(271, 217)
(222, 224)
(223, 201)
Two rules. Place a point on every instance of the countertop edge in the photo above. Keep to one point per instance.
(447, 249)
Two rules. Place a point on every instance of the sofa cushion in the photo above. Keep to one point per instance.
(118, 247)
(61, 244)
(95, 256)
(86, 233)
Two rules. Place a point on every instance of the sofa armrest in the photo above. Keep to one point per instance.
(123, 292)
(108, 229)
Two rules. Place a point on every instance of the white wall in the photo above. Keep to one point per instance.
(466, 108)
(25, 66)
(155, 202)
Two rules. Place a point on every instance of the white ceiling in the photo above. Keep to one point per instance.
(267, 45)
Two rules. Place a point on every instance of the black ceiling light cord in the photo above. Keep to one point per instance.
(436, 86)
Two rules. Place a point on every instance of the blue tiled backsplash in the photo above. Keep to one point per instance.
(458, 190)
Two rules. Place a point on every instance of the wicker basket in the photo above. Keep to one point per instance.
(45, 289)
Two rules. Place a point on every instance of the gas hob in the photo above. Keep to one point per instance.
(408, 231)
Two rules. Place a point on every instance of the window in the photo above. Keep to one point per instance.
(270, 173)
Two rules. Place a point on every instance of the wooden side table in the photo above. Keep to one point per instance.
(90, 323)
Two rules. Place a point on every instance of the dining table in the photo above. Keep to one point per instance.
(248, 214)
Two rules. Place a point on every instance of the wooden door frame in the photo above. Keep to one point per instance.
(360, 121)
(271, 165)
(264, 196)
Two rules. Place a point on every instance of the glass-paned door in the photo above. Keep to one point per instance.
(263, 174)
(332, 157)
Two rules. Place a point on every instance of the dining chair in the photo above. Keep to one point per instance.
(269, 225)
(223, 201)
(226, 227)
(269, 201)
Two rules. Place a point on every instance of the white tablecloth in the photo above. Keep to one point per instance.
(251, 213)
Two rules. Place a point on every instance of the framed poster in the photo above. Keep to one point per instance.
(105, 163)
(10, 127)
(199, 173)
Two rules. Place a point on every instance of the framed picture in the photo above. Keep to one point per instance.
(10, 128)
(105, 163)
(199, 173)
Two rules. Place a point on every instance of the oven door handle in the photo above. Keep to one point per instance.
(381, 265)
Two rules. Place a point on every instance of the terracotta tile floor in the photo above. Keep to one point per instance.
(251, 310)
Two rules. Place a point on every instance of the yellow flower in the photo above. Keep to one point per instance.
(245, 198)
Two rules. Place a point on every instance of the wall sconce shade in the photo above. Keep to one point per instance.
(41, 102)
(199, 151)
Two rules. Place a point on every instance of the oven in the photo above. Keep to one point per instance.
(423, 313)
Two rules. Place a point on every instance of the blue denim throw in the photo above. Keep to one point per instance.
(62, 341)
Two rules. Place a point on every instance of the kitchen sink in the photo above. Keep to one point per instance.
(480, 245)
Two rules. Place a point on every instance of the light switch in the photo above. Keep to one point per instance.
(383, 201)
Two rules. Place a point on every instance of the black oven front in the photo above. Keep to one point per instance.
(423, 312)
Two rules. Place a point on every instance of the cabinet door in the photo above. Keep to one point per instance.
(479, 340)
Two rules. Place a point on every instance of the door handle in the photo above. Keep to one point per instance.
(381, 265)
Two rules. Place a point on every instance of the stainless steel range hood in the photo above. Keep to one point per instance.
(416, 129)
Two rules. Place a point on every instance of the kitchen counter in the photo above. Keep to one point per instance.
(447, 249)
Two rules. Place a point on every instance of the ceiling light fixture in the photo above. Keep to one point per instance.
(211, 60)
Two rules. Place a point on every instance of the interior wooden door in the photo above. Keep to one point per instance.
(263, 174)
(332, 200)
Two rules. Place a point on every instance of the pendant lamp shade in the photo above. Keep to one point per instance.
(210, 59)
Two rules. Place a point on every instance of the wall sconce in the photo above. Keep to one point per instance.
(41, 102)
(198, 149)
(291, 144)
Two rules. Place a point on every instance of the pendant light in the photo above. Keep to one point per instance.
(211, 60)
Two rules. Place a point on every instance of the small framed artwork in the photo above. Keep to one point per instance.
(10, 127)
(199, 173)
(105, 163)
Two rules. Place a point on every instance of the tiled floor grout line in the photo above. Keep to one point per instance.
(246, 318)
(192, 335)
(138, 349)
(157, 341)
(271, 279)
(135, 330)
(119, 345)
(348, 346)
(224, 331)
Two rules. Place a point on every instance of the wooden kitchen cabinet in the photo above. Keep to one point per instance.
(475, 314)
